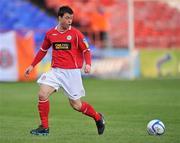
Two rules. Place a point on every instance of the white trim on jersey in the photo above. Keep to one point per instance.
(56, 28)
(86, 50)
(77, 46)
(43, 50)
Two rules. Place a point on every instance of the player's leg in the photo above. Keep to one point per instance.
(88, 110)
(71, 82)
(43, 108)
(43, 103)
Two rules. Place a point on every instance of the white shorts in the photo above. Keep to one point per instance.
(68, 79)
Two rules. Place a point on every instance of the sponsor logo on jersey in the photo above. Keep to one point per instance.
(61, 46)
(69, 37)
(86, 43)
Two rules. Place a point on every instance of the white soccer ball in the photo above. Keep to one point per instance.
(155, 127)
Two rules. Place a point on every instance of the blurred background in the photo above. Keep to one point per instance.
(128, 38)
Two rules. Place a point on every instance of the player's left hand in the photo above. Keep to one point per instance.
(87, 68)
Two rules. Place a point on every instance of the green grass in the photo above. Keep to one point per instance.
(127, 106)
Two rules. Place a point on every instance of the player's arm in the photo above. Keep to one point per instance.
(39, 56)
(83, 44)
(87, 57)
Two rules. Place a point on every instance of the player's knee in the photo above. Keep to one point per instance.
(76, 106)
(42, 95)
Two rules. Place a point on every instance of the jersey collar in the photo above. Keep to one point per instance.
(64, 31)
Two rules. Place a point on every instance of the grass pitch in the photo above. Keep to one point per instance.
(127, 105)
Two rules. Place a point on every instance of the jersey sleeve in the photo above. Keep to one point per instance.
(82, 42)
(46, 44)
(42, 52)
(39, 56)
(84, 46)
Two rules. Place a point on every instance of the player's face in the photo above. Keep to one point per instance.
(66, 20)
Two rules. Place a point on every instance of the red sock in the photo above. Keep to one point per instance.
(43, 107)
(89, 111)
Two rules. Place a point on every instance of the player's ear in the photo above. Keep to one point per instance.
(59, 18)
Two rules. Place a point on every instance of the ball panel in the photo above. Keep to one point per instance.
(155, 127)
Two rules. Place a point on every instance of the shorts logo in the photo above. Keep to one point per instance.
(69, 37)
(61, 46)
(43, 78)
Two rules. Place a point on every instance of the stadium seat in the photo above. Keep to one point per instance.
(151, 24)
(22, 15)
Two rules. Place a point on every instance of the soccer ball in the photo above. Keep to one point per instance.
(155, 127)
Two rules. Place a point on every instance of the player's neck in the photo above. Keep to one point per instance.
(62, 29)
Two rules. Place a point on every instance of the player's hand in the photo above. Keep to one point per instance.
(87, 68)
(28, 71)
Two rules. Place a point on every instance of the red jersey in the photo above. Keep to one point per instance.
(69, 48)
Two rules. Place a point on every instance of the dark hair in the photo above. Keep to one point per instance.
(64, 9)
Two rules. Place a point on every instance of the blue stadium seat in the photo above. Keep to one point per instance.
(21, 14)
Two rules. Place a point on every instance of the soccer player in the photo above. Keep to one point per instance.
(69, 51)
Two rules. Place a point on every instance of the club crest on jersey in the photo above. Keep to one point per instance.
(61, 46)
(69, 37)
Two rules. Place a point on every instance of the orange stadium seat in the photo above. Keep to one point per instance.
(153, 28)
